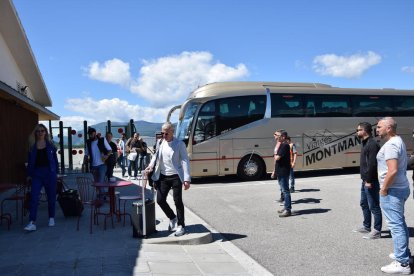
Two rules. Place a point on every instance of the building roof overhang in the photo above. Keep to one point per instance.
(10, 94)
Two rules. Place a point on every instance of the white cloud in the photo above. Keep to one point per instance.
(113, 71)
(168, 80)
(114, 109)
(345, 66)
(408, 69)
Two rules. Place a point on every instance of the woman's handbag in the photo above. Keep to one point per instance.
(132, 156)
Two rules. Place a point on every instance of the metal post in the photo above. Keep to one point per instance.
(70, 148)
(109, 127)
(85, 132)
(62, 149)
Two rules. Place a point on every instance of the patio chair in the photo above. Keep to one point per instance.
(19, 195)
(87, 193)
(125, 199)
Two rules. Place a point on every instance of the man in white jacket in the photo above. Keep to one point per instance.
(172, 171)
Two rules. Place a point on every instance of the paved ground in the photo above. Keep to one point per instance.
(317, 240)
(61, 250)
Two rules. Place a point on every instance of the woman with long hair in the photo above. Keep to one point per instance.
(42, 169)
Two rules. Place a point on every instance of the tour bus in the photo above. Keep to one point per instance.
(228, 127)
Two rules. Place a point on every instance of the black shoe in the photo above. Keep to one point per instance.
(292, 190)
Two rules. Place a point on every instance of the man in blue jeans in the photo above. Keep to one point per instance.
(395, 189)
(282, 169)
(370, 185)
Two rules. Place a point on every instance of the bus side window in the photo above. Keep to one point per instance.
(404, 106)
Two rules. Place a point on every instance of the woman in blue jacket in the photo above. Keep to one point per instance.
(42, 168)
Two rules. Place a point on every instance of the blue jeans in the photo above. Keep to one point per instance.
(284, 185)
(121, 163)
(392, 206)
(43, 177)
(292, 179)
(99, 173)
(370, 204)
(133, 165)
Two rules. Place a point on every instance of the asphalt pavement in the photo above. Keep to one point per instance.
(61, 250)
(316, 240)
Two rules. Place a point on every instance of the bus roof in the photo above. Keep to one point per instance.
(229, 89)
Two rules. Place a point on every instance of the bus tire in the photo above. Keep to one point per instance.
(251, 168)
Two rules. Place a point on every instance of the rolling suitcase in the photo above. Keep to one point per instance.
(143, 214)
(143, 218)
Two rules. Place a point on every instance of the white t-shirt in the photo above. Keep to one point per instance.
(394, 148)
(166, 165)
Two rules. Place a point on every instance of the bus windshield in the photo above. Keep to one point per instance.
(184, 124)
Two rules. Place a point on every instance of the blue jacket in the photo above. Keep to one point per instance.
(51, 154)
(179, 159)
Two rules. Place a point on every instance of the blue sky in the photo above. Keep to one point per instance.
(123, 59)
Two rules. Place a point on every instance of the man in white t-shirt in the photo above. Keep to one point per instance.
(394, 191)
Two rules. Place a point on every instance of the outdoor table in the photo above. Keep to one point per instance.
(111, 190)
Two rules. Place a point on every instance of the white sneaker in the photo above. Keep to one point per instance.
(396, 267)
(173, 224)
(30, 227)
(51, 222)
(180, 231)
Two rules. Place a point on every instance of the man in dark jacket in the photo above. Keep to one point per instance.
(370, 185)
(282, 169)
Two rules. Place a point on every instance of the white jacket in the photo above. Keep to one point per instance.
(179, 160)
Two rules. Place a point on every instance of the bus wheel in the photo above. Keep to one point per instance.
(250, 168)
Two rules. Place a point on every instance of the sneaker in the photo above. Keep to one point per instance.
(280, 200)
(396, 267)
(180, 231)
(51, 222)
(292, 189)
(173, 224)
(129, 178)
(286, 213)
(30, 227)
(374, 234)
(281, 211)
(362, 230)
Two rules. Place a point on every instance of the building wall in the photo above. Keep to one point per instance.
(16, 125)
(9, 71)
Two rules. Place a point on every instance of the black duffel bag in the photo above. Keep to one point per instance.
(70, 203)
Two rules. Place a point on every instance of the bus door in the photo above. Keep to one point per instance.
(204, 158)
(226, 160)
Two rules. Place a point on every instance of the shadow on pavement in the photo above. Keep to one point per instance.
(306, 200)
(310, 211)
(307, 190)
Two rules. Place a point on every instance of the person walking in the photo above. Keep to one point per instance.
(134, 148)
(97, 151)
(111, 161)
(42, 169)
(122, 154)
(172, 171)
(394, 191)
(293, 155)
(282, 169)
(369, 200)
